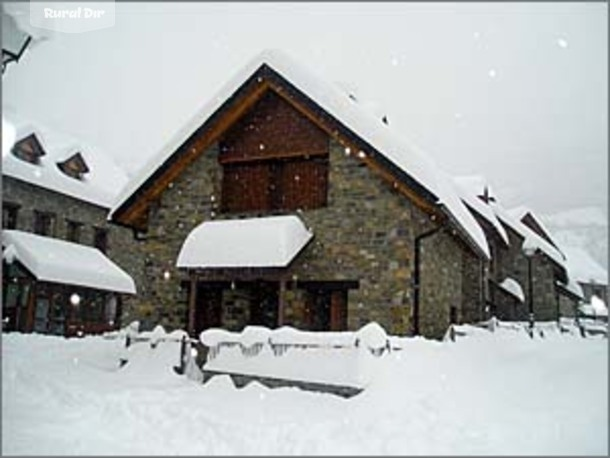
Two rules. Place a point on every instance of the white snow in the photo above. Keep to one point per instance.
(272, 241)
(596, 307)
(58, 261)
(573, 286)
(350, 113)
(513, 287)
(489, 393)
(468, 192)
(99, 186)
(583, 268)
(531, 239)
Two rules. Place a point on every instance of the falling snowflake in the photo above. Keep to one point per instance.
(395, 61)
(562, 43)
(297, 178)
(74, 299)
(476, 35)
(492, 73)
(166, 275)
(361, 154)
(261, 147)
(348, 151)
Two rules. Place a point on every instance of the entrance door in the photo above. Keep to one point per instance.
(208, 308)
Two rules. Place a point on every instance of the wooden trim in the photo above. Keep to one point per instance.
(192, 306)
(282, 156)
(281, 303)
(188, 153)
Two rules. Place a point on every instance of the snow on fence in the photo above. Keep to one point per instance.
(311, 360)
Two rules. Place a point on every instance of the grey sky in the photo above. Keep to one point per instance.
(516, 92)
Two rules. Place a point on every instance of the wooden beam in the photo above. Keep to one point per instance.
(281, 302)
(192, 306)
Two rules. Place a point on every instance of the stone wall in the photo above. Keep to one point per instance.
(121, 247)
(365, 233)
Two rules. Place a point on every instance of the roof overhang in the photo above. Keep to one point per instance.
(269, 242)
(58, 261)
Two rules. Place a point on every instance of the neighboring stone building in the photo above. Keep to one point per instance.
(588, 273)
(523, 255)
(287, 155)
(58, 188)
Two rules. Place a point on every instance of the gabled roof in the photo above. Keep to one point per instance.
(336, 112)
(469, 196)
(58, 261)
(528, 217)
(531, 238)
(100, 186)
(273, 241)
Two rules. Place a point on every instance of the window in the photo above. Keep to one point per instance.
(275, 184)
(75, 166)
(100, 239)
(9, 215)
(44, 223)
(73, 231)
(29, 149)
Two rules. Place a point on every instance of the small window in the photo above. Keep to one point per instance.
(73, 231)
(75, 166)
(29, 149)
(9, 215)
(100, 239)
(44, 223)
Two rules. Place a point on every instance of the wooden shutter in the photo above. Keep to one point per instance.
(245, 187)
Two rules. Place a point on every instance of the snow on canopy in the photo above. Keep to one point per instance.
(469, 193)
(583, 268)
(58, 261)
(272, 241)
(99, 186)
(336, 102)
(513, 287)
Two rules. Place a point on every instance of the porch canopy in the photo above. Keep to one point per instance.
(58, 261)
(272, 241)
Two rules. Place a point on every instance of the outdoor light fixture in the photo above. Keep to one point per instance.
(14, 41)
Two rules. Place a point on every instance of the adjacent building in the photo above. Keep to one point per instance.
(64, 265)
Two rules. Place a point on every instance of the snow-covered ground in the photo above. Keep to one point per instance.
(486, 393)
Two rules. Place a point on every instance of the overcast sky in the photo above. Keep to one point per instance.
(515, 92)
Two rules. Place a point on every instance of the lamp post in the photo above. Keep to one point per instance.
(529, 254)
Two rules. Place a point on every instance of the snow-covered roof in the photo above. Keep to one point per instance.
(583, 268)
(572, 286)
(596, 307)
(513, 287)
(531, 239)
(272, 241)
(58, 261)
(520, 212)
(336, 102)
(100, 186)
(469, 195)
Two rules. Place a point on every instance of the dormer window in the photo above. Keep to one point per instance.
(29, 149)
(75, 166)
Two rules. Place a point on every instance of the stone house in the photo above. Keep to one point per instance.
(524, 257)
(61, 257)
(356, 224)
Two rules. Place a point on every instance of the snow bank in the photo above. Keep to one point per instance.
(479, 395)
(335, 358)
